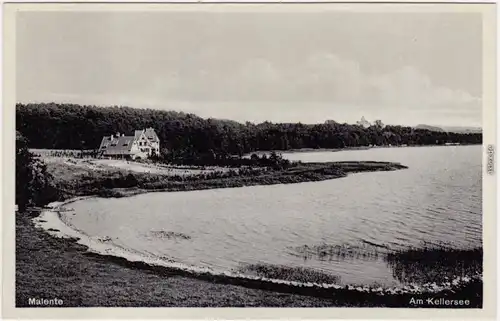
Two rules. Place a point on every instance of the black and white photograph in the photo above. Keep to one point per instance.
(261, 156)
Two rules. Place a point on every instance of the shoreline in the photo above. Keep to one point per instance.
(51, 222)
(302, 173)
(48, 267)
(349, 149)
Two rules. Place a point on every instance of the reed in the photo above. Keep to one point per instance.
(281, 272)
(431, 263)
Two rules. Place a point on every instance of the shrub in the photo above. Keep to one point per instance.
(34, 185)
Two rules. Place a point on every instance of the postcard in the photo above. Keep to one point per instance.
(230, 160)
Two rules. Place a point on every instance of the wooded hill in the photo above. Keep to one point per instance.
(70, 126)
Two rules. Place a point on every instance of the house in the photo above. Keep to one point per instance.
(143, 144)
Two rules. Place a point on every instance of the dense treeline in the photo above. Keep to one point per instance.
(69, 126)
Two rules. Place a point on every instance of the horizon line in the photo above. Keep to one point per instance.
(244, 121)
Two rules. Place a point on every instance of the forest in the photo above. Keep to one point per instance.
(182, 135)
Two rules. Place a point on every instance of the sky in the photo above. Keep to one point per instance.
(402, 68)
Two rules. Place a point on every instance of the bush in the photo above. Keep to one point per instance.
(212, 158)
(131, 180)
(34, 185)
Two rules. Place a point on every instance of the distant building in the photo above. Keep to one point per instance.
(143, 144)
(363, 122)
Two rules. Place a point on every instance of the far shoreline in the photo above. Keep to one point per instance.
(349, 149)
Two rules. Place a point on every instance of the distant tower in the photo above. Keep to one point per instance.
(363, 122)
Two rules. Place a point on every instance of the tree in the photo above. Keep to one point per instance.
(379, 124)
(34, 185)
(255, 157)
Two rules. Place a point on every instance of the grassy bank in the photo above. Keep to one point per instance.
(117, 183)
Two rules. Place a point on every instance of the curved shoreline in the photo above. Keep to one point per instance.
(301, 173)
(51, 222)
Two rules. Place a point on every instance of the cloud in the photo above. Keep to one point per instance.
(331, 78)
(409, 87)
(322, 78)
(324, 86)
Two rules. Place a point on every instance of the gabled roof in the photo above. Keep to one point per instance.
(104, 142)
(138, 134)
(151, 135)
(117, 145)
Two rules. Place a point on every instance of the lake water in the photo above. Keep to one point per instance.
(339, 227)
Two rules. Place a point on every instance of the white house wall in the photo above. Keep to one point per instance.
(147, 146)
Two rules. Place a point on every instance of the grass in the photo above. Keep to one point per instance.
(330, 252)
(428, 263)
(434, 262)
(170, 235)
(117, 182)
(424, 265)
(282, 272)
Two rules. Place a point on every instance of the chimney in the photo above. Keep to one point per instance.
(111, 137)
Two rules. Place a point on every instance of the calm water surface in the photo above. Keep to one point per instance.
(337, 226)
